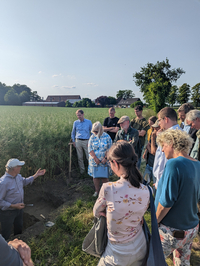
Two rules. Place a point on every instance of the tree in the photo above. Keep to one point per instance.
(125, 94)
(112, 100)
(3, 91)
(136, 103)
(24, 97)
(34, 97)
(11, 97)
(183, 93)
(196, 94)
(155, 82)
(68, 104)
(102, 100)
(172, 97)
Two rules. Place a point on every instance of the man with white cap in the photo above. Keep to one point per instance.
(128, 133)
(12, 197)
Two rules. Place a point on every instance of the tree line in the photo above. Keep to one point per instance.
(17, 94)
(156, 84)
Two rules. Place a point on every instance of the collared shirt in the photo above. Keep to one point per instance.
(195, 151)
(160, 160)
(100, 146)
(81, 129)
(185, 127)
(11, 190)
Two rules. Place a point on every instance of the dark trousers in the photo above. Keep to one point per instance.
(9, 218)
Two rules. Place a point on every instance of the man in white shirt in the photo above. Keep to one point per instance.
(167, 119)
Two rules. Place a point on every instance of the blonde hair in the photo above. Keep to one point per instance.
(179, 139)
(97, 127)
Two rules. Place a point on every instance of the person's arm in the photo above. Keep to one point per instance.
(94, 157)
(9, 256)
(39, 173)
(161, 212)
(135, 138)
(23, 249)
(100, 204)
(141, 133)
(114, 129)
(153, 143)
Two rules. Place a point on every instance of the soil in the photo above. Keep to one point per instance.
(48, 199)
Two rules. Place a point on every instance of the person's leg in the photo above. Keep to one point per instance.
(79, 150)
(96, 184)
(85, 147)
(182, 253)
(18, 223)
(104, 180)
(140, 159)
(7, 219)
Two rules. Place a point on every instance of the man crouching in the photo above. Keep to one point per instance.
(12, 197)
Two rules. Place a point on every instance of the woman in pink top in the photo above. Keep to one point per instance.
(124, 202)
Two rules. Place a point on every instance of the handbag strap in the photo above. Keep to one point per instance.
(155, 237)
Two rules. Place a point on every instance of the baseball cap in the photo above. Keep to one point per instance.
(14, 162)
(156, 124)
(123, 119)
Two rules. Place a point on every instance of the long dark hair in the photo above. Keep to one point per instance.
(123, 153)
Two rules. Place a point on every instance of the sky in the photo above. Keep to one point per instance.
(92, 48)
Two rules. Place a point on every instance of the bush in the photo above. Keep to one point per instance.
(137, 103)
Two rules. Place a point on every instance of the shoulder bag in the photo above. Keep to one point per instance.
(96, 240)
(100, 171)
(155, 256)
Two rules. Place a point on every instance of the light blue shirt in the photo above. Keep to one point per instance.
(160, 160)
(186, 127)
(11, 190)
(81, 129)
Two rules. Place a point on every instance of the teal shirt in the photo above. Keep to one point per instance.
(179, 189)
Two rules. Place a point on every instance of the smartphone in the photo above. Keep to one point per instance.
(179, 234)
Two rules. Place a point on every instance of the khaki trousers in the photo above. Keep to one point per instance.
(80, 146)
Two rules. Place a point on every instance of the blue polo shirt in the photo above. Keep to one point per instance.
(179, 188)
(81, 129)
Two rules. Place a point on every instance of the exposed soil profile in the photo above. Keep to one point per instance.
(48, 198)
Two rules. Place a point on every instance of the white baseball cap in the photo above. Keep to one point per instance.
(14, 162)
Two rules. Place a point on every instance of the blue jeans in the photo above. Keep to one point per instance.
(140, 159)
(7, 219)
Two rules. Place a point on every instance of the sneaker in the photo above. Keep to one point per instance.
(95, 194)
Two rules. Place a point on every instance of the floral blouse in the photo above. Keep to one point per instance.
(125, 206)
(100, 146)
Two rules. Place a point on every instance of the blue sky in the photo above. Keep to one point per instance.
(91, 47)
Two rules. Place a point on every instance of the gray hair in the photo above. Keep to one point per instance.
(97, 127)
(9, 168)
(192, 115)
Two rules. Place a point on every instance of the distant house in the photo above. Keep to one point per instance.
(45, 104)
(63, 98)
(126, 103)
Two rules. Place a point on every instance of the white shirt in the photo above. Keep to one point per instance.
(160, 160)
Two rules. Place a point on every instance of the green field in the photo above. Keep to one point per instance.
(40, 135)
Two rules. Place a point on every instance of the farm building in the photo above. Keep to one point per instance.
(126, 103)
(45, 104)
(63, 98)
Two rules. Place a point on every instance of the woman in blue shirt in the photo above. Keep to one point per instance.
(98, 146)
(177, 195)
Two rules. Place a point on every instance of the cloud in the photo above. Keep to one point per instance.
(68, 87)
(55, 86)
(71, 76)
(39, 72)
(56, 75)
(91, 84)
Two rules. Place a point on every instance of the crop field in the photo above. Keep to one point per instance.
(40, 135)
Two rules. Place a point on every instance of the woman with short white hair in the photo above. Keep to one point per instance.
(98, 146)
(177, 195)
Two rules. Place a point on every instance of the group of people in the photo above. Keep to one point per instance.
(172, 154)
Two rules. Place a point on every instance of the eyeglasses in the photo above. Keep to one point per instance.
(95, 132)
